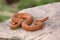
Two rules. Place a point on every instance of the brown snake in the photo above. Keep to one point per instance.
(25, 20)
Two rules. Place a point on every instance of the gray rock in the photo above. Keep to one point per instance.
(51, 30)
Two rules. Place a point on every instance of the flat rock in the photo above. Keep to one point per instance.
(50, 31)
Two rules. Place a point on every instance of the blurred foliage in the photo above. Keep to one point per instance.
(22, 4)
(4, 7)
(31, 3)
(5, 11)
(26, 3)
(42, 2)
(3, 18)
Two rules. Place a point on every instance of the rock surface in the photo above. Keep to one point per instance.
(51, 30)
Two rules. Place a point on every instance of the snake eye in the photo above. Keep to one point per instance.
(15, 23)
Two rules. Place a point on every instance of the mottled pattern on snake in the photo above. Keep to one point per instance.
(25, 20)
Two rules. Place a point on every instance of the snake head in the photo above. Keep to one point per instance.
(15, 23)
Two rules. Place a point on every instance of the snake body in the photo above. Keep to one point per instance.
(25, 20)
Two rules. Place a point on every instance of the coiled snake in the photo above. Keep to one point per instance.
(25, 20)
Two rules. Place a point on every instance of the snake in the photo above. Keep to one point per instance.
(25, 20)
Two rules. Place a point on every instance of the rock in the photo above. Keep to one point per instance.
(51, 30)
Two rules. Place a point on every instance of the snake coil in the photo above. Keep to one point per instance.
(25, 20)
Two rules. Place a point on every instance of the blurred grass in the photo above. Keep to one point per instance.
(4, 15)
(42, 2)
(3, 18)
(4, 7)
(6, 10)
(26, 3)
